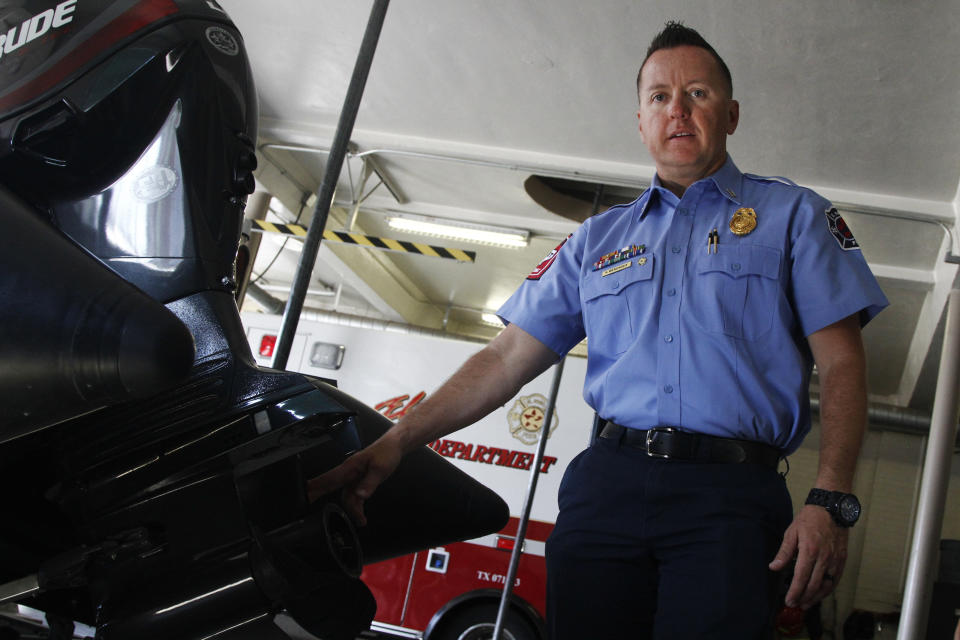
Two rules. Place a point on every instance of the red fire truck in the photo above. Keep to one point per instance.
(452, 592)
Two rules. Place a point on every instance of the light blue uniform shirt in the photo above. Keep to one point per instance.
(680, 335)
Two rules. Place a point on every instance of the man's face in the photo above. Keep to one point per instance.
(686, 114)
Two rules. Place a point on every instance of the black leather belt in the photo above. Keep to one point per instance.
(670, 443)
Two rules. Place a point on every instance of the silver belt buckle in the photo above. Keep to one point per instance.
(650, 433)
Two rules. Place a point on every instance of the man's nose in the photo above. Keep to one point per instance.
(679, 108)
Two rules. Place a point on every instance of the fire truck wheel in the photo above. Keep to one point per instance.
(476, 622)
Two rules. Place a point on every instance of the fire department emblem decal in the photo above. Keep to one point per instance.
(841, 231)
(541, 268)
(526, 418)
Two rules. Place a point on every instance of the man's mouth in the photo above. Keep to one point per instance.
(681, 134)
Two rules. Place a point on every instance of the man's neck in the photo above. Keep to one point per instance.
(677, 188)
(678, 184)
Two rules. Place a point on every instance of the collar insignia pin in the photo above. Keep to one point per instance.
(743, 221)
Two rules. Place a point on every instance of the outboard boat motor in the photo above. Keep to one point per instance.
(156, 477)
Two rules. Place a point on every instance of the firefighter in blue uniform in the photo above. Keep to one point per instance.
(706, 303)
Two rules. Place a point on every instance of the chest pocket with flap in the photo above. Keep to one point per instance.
(612, 303)
(736, 291)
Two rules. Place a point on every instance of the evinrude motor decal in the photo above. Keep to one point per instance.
(74, 34)
(36, 26)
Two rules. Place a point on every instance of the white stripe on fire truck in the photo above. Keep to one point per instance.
(394, 630)
(530, 547)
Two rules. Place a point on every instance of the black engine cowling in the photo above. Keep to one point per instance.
(159, 474)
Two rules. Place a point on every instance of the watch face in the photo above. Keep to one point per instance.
(849, 509)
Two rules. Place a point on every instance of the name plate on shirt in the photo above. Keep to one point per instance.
(619, 267)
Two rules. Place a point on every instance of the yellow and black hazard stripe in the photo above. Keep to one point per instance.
(373, 242)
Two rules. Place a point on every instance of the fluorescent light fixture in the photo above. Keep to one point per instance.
(491, 318)
(456, 230)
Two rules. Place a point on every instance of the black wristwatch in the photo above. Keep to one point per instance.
(844, 507)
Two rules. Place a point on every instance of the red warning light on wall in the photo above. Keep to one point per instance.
(267, 344)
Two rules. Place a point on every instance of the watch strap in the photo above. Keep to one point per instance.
(830, 500)
(819, 497)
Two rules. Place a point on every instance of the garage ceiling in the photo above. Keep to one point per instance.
(466, 100)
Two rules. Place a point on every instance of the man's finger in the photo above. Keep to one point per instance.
(369, 482)
(344, 474)
(787, 548)
(815, 585)
(828, 583)
(353, 505)
(802, 572)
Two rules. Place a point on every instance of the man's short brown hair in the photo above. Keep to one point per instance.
(676, 34)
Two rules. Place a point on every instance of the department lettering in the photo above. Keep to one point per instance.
(490, 455)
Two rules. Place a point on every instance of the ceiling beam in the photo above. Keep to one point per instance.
(384, 286)
(592, 169)
(905, 277)
(944, 275)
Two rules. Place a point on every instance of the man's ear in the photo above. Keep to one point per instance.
(640, 128)
(733, 115)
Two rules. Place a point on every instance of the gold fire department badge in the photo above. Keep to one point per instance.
(743, 221)
(526, 418)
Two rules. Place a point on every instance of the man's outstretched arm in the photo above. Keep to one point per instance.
(486, 381)
(819, 544)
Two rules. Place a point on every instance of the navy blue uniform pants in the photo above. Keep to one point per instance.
(650, 548)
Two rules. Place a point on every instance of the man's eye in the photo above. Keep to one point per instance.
(698, 93)
(657, 97)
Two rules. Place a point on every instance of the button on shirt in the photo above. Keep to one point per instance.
(709, 337)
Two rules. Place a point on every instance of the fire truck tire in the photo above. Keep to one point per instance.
(476, 622)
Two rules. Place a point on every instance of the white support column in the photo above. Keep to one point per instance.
(933, 487)
(257, 206)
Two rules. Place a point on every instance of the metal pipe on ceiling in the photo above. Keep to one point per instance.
(279, 288)
(570, 174)
(311, 245)
(351, 153)
(269, 303)
(275, 306)
(908, 420)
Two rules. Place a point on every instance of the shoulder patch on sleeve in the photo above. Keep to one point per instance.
(840, 230)
(541, 268)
